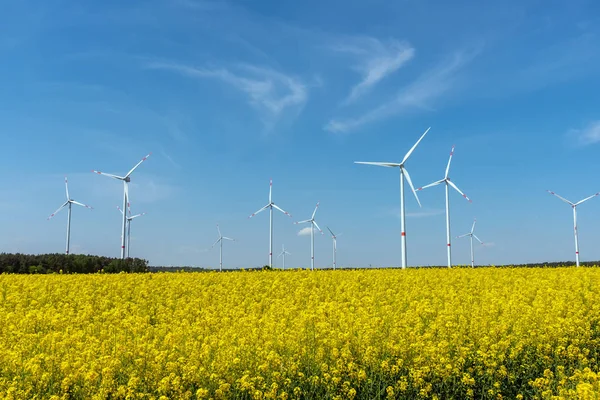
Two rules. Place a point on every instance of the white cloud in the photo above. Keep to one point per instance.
(304, 231)
(418, 95)
(377, 61)
(588, 135)
(269, 91)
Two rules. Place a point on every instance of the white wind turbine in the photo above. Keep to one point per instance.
(126, 179)
(403, 173)
(334, 237)
(68, 203)
(448, 183)
(129, 219)
(270, 206)
(220, 241)
(313, 224)
(283, 253)
(574, 206)
(471, 236)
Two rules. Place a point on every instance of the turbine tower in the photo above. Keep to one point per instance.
(334, 237)
(126, 179)
(403, 174)
(220, 241)
(270, 206)
(574, 206)
(313, 224)
(283, 253)
(68, 203)
(471, 236)
(129, 219)
(448, 183)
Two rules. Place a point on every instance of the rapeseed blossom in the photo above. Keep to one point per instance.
(376, 334)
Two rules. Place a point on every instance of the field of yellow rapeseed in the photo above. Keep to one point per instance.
(424, 333)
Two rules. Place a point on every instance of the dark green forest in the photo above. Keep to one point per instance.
(67, 264)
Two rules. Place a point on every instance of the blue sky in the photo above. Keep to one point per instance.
(229, 94)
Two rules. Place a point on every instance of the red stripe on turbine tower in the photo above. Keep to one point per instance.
(403, 233)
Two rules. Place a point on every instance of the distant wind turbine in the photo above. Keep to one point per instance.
(220, 242)
(126, 179)
(313, 224)
(129, 219)
(471, 235)
(270, 206)
(283, 253)
(574, 206)
(403, 174)
(448, 183)
(334, 238)
(68, 203)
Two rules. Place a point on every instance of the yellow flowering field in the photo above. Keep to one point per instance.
(370, 334)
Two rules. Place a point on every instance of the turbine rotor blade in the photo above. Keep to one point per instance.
(137, 165)
(262, 209)
(562, 198)
(219, 230)
(415, 146)
(477, 239)
(59, 208)
(332, 234)
(473, 227)
(119, 208)
(431, 184)
(317, 226)
(283, 211)
(271, 190)
(314, 212)
(126, 189)
(462, 236)
(303, 222)
(226, 238)
(82, 205)
(67, 188)
(449, 161)
(587, 198)
(137, 215)
(379, 164)
(218, 240)
(407, 176)
(458, 190)
(109, 175)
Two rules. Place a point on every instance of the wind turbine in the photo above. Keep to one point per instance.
(448, 183)
(68, 203)
(313, 224)
(283, 253)
(270, 206)
(220, 241)
(334, 237)
(403, 173)
(574, 206)
(471, 236)
(126, 179)
(129, 219)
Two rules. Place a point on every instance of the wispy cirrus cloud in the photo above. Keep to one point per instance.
(271, 92)
(590, 134)
(419, 95)
(376, 60)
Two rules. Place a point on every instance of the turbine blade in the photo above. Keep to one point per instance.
(562, 198)
(262, 209)
(137, 215)
(59, 208)
(126, 189)
(477, 239)
(109, 175)
(587, 198)
(283, 211)
(407, 175)
(82, 205)
(314, 212)
(462, 236)
(218, 240)
(270, 190)
(449, 160)
(219, 230)
(415, 146)
(317, 226)
(458, 190)
(431, 184)
(303, 222)
(137, 165)
(473, 227)
(379, 164)
(67, 188)
(226, 238)
(332, 234)
(119, 208)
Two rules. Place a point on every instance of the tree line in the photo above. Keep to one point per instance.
(67, 264)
